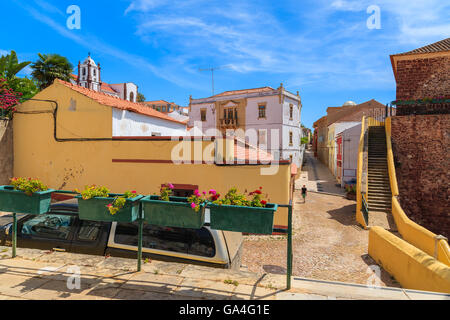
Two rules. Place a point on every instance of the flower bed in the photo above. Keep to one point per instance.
(98, 204)
(177, 212)
(236, 213)
(25, 196)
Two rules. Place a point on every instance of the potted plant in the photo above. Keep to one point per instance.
(351, 191)
(169, 211)
(25, 195)
(236, 213)
(98, 204)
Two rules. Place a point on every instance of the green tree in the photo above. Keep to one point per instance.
(10, 66)
(140, 97)
(50, 67)
(26, 86)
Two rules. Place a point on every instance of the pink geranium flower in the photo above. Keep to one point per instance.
(193, 205)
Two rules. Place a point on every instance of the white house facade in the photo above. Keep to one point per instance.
(266, 117)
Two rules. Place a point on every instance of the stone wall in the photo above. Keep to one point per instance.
(6, 152)
(421, 78)
(421, 145)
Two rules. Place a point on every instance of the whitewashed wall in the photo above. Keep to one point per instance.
(350, 143)
(130, 124)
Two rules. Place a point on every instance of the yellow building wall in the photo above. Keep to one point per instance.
(73, 164)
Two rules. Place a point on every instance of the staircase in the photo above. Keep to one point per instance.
(379, 190)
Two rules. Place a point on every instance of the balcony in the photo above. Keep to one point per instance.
(228, 122)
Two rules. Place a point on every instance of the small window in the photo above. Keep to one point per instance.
(94, 72)
(89, 230)
(132, 96)
(183, 240)
(203, 114)
(261, 111)
(262, 137)
(291, 111)
(290, 158)
(84, 71)
(290, 138)
(156, 134)
(53, 226)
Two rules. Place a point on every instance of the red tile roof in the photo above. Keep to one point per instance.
(158, 102)
(232, 92)
(105, 86)
(440, 46)
(245, 151)
(118, 103)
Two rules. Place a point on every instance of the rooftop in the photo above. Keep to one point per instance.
(117, 103)
(440, 46)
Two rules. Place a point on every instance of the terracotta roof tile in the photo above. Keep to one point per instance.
(228, 93)
(440, 46)
(107, 87)
(245, 151)
(117, 103)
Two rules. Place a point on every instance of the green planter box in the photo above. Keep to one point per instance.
(174, 213)
(242, 219)
(17, 201)
(95, 209)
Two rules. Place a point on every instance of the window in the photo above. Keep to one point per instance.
(132, 96)
(291, 111)
(84, 71)
(262, 137)
(290, 138)
(94, 72)
(156, 134)
(189, 241)
(89, 230)
(54, 226)
(203, 114)
(290, 158)
(163, 109)
(261, 111)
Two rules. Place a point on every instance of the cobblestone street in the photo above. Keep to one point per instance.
(328, 244)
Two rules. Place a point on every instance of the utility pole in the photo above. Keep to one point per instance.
(212, 69)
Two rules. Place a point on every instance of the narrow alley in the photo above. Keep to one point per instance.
(328, 244)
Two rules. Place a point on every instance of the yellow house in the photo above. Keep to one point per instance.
(63, 136)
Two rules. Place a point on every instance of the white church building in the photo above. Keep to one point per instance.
(130, 119)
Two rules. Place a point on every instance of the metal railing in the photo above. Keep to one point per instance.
(365, 207)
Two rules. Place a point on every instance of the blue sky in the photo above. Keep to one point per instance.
(323, 49)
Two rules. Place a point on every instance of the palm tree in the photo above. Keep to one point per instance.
(50, 67)
(10, 66)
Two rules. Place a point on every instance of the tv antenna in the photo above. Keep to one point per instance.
(212, 69)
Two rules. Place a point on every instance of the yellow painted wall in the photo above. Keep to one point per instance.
(359, 215)
(411, 267)
(69, 165)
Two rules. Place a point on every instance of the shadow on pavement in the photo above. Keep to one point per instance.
(345, 215)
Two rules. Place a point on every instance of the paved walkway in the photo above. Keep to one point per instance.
(317, 177)
(44, 275)
(328, 243)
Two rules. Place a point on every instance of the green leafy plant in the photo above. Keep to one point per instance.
(103, 192)
(29, 186)
(119, 202)
(94, 191)
(233, 282)
(350, 188)
(166, 191)
(50, 67)
(234, 198)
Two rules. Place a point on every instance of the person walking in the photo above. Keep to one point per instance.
(304, 193)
